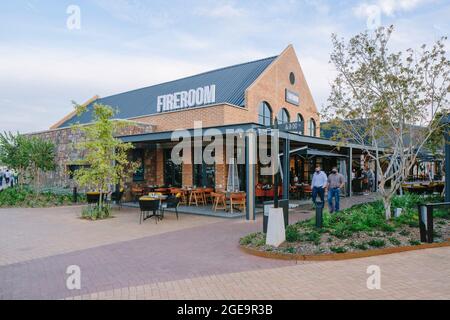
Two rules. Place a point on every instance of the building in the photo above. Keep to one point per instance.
(251, 95)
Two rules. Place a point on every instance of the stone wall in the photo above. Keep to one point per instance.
(66, 140)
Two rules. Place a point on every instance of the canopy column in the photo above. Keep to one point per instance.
(250, 164)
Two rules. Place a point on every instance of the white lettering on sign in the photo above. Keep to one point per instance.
(186, 99)
(292, 97)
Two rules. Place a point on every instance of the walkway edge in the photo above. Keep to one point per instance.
(341, 256)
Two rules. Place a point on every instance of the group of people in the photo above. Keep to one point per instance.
(7, 178)
(367, 179)
(333, 183)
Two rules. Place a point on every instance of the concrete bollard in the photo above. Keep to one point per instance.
(276, 231)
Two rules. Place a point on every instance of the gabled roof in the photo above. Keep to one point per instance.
(231, 83)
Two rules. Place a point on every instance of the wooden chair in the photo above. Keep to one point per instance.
(238, 199)
(196, 197)
(260, 194)
(307, 191)
(219, 201)
(207, 195)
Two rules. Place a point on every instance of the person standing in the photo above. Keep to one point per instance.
(335, 183)
(7, 177)
(1, 178)
(319, 182)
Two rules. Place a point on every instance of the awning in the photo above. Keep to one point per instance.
(306, 152)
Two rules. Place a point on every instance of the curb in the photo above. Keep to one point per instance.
(341, 256)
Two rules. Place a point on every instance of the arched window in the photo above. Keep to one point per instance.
(283, 116)
(302, 123)
(265, 114)
(312, 128)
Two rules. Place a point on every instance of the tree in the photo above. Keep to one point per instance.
(27, 155)
(41, 158)
(390, 102)
(106, 160)
(14, 152)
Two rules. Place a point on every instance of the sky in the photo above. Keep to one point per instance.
(53, 52)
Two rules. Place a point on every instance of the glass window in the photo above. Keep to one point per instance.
(138, 158)
(265, 114)
(283, 116)
(301, 121)
(312, 128)
(204, 175)
(173, 173)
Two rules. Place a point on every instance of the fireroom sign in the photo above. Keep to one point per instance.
(187, 99)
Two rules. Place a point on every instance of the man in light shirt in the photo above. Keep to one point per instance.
(336, 182)
(319, 183)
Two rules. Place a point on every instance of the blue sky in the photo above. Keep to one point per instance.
(127, 44)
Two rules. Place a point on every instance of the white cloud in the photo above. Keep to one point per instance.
(37, 84)
(387, 7)
(220, 11)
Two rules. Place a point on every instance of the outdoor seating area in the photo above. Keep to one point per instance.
(424, 187)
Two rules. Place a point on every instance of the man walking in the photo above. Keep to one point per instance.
(319, 182)
(336, 181)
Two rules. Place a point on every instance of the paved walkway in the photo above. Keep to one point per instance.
(196, 257)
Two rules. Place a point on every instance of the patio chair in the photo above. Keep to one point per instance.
(196, 197)
(147, 206)
(137, 192)
(172, 202)
(94, 198)
(260, 194)
(219, 201)
(238, 199)
(207, 195)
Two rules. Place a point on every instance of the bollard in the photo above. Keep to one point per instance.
(319, 214)
(75, 195)
(426, 223)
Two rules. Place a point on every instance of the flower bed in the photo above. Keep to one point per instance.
(358, 229)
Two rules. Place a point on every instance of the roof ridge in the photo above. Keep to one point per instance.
(192, 76)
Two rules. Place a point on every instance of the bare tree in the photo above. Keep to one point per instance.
(390, 102)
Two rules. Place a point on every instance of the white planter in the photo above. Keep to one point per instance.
(276, 232)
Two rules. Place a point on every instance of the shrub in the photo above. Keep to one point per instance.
(377, 243)
(96, 212)
(26, 197)
(338, 249)
(394, 241)
(414, 242)
(360, 246)
(292, 234)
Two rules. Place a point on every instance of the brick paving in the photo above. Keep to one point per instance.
(409, 275)
(196, 258)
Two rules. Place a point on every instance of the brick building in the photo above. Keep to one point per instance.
(251, 95)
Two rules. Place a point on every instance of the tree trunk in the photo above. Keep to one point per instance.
(387, 207)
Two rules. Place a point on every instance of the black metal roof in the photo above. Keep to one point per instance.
(231, 83)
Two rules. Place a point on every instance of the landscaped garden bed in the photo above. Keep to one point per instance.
(25, 197)
(357, 229)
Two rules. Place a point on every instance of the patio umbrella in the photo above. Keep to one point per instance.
(343, 169)
(233, 177)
